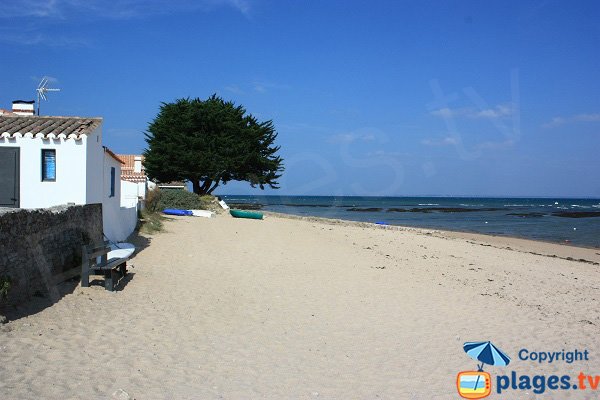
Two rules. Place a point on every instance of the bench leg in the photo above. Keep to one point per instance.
(109, 280)
(85, 270)
(123, 269)
(85, 275)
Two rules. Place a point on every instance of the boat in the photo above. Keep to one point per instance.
(223, 205)
(175, 211)
(203, 213)
(246, 214)
(120, 250)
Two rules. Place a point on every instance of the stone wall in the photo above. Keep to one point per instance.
(37, 246)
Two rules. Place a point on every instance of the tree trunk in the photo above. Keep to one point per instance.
(196, 186)
(213, 187)
(205, 187)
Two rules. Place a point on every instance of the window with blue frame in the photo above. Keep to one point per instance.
(112, 181)
(48, 165)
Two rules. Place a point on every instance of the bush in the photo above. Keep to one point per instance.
(5, 284)
(151, 222)
(152, 198)
(182, 199)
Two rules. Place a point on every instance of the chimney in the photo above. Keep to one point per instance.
(137, 164)
(22, 107)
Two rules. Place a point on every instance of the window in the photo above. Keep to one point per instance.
(48, 165)
(112, 182)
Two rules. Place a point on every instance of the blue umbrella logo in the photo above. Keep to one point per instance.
(486, 353)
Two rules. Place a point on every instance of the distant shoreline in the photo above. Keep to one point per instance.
(414, 196)
(566, 221)
(568, 251)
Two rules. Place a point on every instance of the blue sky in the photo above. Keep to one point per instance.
(369, 98)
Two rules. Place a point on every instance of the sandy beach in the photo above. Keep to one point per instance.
(290, 308)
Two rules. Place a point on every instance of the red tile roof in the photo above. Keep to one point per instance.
(47, 127)
(113, 155)
(127, 170)
(174, 184)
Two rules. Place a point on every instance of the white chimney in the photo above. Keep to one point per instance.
(137, 164)
(21, 107)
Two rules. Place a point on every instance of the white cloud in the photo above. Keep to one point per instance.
(257, 86)
(21, 21)
(587, 117)
(499, 111)
(264, 86)
(234, 89)
(446, 112)
(447, 141)
(50, 79)
(302, 127)
(558, 121)
(32, 38)
(554, 122)
(495, 145)
(351, 137)
(115, 9)
(31, 8)
(388, 154)
(242, 6)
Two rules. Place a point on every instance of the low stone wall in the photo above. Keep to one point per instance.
(37, 246)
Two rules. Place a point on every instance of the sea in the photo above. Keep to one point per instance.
(559, 220)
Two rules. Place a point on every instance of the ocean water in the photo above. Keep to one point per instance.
(559, 220)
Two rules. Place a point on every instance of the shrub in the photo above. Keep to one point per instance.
(152, 198)
(182, 199)
(4, 286)
(151, 222)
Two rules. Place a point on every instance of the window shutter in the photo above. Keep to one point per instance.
(112, 181)
(48, 165)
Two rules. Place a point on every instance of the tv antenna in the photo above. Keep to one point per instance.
(41, 90)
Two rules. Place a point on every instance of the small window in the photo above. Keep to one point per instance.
(48, 165)
(112, 182)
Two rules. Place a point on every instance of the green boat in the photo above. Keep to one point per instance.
(246, 214)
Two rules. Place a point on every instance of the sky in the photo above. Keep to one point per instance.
(382, 98)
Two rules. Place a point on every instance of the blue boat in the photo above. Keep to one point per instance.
(175, 211)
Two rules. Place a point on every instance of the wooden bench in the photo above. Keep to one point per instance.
(94, 261)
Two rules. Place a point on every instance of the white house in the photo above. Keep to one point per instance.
(47, 161)
(134, 181)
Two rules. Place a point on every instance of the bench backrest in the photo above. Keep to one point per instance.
(90, 253)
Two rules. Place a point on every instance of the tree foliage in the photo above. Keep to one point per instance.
(209, 142)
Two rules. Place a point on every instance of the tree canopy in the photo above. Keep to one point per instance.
(209, 142)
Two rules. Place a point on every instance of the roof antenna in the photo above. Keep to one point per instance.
(41, 90)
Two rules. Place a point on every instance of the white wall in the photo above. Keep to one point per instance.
(70, 184)
(142, 189)
(82, 177)
(94, 167)
(118, 222)
(129, 194)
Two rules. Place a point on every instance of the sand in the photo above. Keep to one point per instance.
(288, 308)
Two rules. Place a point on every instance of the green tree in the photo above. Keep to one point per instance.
(209, 142)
